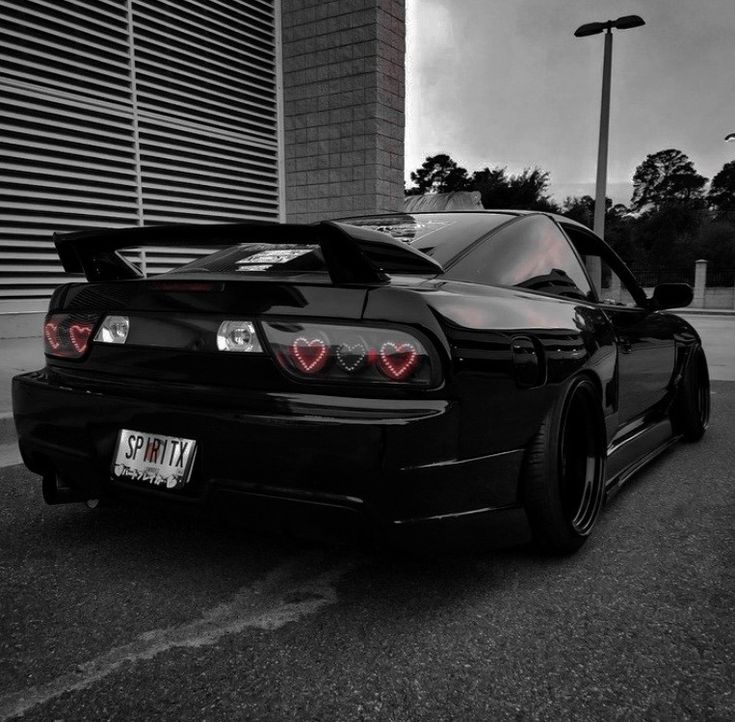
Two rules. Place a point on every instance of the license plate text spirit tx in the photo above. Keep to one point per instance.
(156, 459)
(156, 451)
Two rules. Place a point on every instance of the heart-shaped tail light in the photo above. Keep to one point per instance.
(51, 336)
(353, 354)
(309, 355)
(397, 360)
(79, 334)
(68, 335)
(332, 353)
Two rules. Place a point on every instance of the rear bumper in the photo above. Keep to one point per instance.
(387, 461)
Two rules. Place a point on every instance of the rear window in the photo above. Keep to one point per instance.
(439, 235)
(261, 258)
(529, 253)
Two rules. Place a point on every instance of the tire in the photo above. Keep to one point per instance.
(691, 409)
(564, 471)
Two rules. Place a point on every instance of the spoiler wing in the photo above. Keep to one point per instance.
(352, 254)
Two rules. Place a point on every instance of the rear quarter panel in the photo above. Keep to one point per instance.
(479, 324)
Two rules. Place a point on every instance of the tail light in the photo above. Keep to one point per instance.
(351, 354)
(238, 336)
(113, 329)
(67, 335)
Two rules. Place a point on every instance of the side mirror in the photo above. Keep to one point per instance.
(672, 295)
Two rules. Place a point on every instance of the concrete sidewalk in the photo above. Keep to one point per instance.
(17, 355)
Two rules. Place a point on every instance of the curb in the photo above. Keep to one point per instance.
(704, 311)
(7, 428)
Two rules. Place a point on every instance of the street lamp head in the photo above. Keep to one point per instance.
(589, 29)
(623, 23)
(729, 137)
(629, 21)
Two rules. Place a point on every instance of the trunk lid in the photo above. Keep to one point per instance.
(174, 325)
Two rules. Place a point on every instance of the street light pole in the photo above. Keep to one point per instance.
(622, 23)
(601, 181)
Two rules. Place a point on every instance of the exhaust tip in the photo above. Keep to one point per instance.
(55, 491)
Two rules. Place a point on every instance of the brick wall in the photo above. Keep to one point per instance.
(344, 91)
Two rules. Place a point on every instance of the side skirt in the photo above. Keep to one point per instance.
(632, 454)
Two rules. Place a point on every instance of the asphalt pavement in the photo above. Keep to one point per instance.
(122, 613)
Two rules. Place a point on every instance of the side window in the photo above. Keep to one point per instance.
(529, 253)
(611, 290)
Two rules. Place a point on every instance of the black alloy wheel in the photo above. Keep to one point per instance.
(692, 407)
(564, 476)
(579, 466)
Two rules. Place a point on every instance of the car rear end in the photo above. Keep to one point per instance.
(263, 393)
(184, 388)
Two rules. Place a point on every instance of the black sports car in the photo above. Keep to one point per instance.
(411, 369)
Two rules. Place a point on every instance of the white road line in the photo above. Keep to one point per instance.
(285, 595)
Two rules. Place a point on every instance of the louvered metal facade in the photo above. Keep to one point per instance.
(123, 112)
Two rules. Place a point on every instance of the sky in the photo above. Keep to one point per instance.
(506, 83)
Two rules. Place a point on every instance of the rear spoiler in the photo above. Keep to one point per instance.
(352, 254)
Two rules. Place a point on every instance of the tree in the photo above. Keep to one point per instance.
(721, 196)
(618, 225)
(438, 174)
(666, 178)
(527, 190)
(667, 237)
(493, 187)
(581, 209)
(618, 211)
(716, 243)
(530, 190)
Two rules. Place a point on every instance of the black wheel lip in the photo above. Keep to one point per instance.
(582, 520)
(703, 391)
(545, 496)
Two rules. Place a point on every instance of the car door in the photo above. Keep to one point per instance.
(645, 359)
(644, 337)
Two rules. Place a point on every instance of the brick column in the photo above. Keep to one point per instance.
(343, 107)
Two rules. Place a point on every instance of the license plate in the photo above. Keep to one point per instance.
(164, 461)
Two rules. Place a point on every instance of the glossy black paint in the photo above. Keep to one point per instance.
(392, 453)
(354, 255)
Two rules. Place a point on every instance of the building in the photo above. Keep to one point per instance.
(124, 112)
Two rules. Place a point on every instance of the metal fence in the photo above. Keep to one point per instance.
(716, 277)
(720, 277)
(649, 278)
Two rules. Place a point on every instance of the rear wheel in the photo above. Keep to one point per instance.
(564, 472)
(691, 410)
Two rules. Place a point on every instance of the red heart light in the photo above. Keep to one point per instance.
(397, 360)
(79, 336)
(309, 355)
(51, 334)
